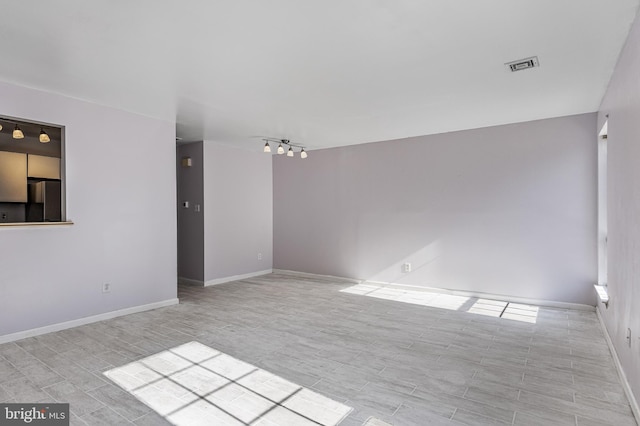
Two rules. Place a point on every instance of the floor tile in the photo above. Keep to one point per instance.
(463, 417)
(104, 417)
(80, 403)
(8, 371)
(151, 419)
(23, 390)
(120, 401)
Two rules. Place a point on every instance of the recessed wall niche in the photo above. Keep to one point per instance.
(31, 172)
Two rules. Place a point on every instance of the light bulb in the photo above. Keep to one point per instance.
(280, 149)
(17, 133)
(44, 137)
(0, 126)
(303, 153)
(290, 152)
(267, 148)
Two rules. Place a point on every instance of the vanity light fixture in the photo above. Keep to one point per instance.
(44, 137)
(17, 133)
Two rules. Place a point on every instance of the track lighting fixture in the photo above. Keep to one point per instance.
(17, 133)
(44, 137)
(281, 145)
(0, 126)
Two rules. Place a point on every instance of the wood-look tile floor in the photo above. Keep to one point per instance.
(403, 358)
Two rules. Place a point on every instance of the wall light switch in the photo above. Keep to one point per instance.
(185, 204)
(186, 162)
(197, 208)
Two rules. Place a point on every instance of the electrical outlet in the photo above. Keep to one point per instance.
(406, 267)
(259, 256)
(3, 216)
(106, 287)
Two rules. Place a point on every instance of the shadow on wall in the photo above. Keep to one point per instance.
(422, 260)
(452, 263)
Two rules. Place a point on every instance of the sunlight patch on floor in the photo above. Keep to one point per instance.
(519, 312)
(193, 384)
(415, 297)
(472, 305)
(491, 308)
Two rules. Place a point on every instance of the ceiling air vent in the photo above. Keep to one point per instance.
(523, 64)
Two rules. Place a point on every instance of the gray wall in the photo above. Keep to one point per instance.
(238, 211)
(507, 210)
(121, 186)
(622, 103)
(191, 220)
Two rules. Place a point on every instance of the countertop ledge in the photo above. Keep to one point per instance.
(30, 224)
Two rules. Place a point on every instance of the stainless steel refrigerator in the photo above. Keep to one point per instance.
(44, 202)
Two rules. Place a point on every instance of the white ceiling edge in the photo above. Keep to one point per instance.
(257, 144)
(320, 74)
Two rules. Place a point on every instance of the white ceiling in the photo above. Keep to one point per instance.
(321, 73)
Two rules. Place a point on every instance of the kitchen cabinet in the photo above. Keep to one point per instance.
(43, 167)
(13, 177)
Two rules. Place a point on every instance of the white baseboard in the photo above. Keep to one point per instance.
(237, 277)
(511, 299)
(86, 320)
(500, 297)
(189, 281)
(307, 274)
(623, 377)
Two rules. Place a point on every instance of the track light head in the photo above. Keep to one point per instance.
(267, 148)
(290, 152)
(280, 149)
(44, 137)
(17, 133)
(0, 126)
(303, 153)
